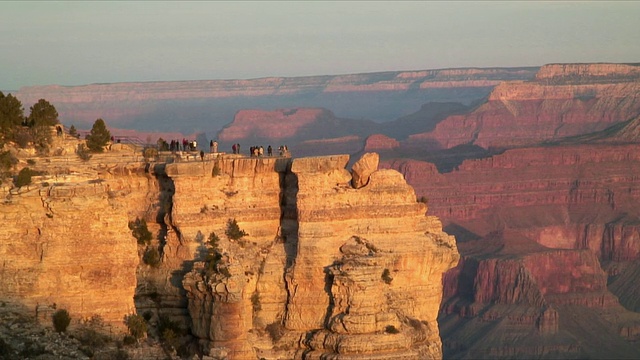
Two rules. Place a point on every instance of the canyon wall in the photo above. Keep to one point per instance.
(316, 273)
(540, 231)
(563, 100)
(65, 241)
(193, 107)
(299, 284)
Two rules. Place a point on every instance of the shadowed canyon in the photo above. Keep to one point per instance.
(457, 214)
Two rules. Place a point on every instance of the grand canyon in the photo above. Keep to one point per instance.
(457, 213)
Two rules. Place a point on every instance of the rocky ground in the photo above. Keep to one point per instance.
(22, 337)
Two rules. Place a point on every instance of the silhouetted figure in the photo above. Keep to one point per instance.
(201, 155)
(269, 151)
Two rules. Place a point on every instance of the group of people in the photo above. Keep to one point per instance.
(186, 145)
(257, 151)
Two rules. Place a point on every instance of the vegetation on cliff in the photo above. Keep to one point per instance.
(98, 137)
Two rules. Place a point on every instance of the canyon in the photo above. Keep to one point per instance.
(317, 248)
(207, 106)
(531, 175)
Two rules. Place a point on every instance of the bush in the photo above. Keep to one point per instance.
(61, 320)
(386, 276)
(255, 301)
(216, 169)
(152, 257)
(5, 350)
(390, 329)
(23, 178)
(128, 340)
(83, 152)
(170, 332)
(233, 230)
(140, 231)
(7, 161)
(276, 331)
(136, 325)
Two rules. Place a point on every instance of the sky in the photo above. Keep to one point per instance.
(85, 42)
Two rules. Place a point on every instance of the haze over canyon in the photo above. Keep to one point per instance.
(457, 213)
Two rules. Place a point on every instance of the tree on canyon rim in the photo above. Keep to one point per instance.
(98, 137)
(43, 114)
(11, 116)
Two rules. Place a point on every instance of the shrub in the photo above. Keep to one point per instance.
(255, 301)
(276, 331)
(152, 257)
(23, 178)
(7, 161)
(128, 340)
(83, 152)
(140, 231)
(170, 332)
(233, 230)
(390, 329)
(61, 320)
(386, 276)
(136, 325)
(5, 350)
(216, 169)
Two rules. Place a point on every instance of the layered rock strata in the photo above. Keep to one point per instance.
(563, 100)
(65, 241)
(540, 231)
(320, 311)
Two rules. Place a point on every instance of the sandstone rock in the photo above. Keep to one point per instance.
(363, 168)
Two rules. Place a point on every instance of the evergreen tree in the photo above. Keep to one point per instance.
(43, 114)
(73, 131)
(11, 117)
(98, 137)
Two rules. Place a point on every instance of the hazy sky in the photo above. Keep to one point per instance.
(84, 42)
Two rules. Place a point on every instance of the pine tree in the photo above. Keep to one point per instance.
(98, 137)
(73, 131)
(11, 116)
(43, 114)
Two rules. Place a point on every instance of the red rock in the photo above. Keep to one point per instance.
(378, 142)
(559, 103)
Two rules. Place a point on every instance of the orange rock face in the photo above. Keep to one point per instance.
(562, 101)
(321, 233)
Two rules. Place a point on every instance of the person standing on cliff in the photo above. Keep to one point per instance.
(269, 151)
(234, 148)
(215, 146)
(201, 155)
(211, 146)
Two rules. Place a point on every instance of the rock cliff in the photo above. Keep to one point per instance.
(316, 273)
(540, 231)
(208, 105)
(563, 100)
(295, 285)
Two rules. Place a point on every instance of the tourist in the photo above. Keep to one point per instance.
(269, 151)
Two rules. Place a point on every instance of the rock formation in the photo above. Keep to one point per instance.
(562, 101)
(540, 230)
(293, 280)
(208, 105)
(323, 220)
